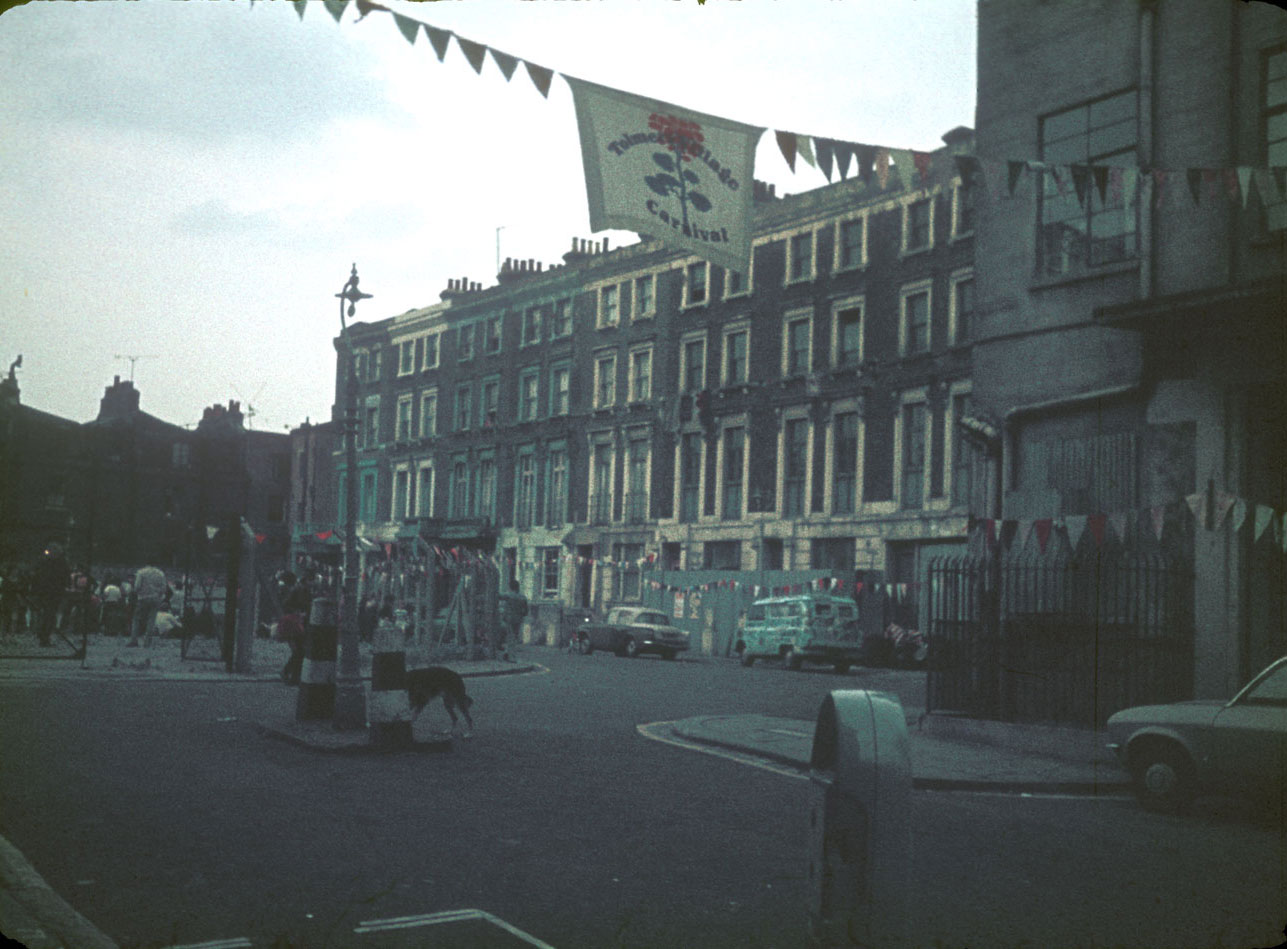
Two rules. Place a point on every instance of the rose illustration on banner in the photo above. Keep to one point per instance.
(684, 139)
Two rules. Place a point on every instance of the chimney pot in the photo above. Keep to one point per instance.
(605, 245)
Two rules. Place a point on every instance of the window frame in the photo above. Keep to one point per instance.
(421, 468)
(1123, 157)
(465, 335)
(555, 392)
(846, 305)
(684, 342)
(637, 311)
(465, 411)
(686, 301)
(489, 385)
(406, 404)
(838, 265)
(790, 319)
(960, 188)
(601, 357)
(559, 310)
(727, 332)
(437, 350)
(431, 429)
(406, 364)
(748, 284)
(498, 323)
(1273, 217)
(635, 353)
(523, 411)
(930, 201)
(602, 320)
(955, 279)
(789, 276)
(905, 292)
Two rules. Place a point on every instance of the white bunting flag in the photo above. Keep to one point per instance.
(1075, 524)
(1264, 514)
(1239, 515)
(681, 176)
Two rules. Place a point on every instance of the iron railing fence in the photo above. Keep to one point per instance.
(1064, 641)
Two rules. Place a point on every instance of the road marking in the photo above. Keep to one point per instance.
(656, 731)
(447, 916)
(239, 942)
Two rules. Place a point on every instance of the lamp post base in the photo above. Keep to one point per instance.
(350, 703)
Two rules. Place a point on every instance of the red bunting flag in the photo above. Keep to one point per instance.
(260, 538)
(1042, 527)
(922, 162)
(787, 145)
(1097, 524)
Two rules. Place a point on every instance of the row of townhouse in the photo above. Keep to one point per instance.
(641, 405)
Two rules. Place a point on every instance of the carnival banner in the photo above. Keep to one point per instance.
(683, 177)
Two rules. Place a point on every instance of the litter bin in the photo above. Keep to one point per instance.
(859, 822)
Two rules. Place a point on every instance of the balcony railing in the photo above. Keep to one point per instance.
(601, 509)
(635, 508)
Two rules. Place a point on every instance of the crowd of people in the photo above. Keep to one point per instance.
(54, 597)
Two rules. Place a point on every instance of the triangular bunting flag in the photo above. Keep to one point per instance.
(823, 148)
(540, 76)
(1230, 176)
(1016, 170)
(506, 62)
(1100, 174)
(1267, 185)
(1075, 524)
(300, 5)
(474, 52)
(1130, 186)
(1023, 530)
(210, 532)
(260, 538)
(1239, 515)
(1264, 515)
(1244, 183)
(866, 161)
(410, 28)
(367, 6)
(335, 8)
(1081, 181)
(1158, 514)
(1160, 177)
(787, 145)
(990, 531)
(1223, 503)
(1009, 531)
(1097, 524)
(922, 162)
(844, 153)
(439, 39)
(650, 163)
(1195, 184)
(1117, 520)
(1041, 527)
(1197, 502)
(804, 145)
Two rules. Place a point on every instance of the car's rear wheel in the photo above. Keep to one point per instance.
(842, 668)
(792, 660)
(629, 648)
(668, 654)
(1163, 777)
(747, 659)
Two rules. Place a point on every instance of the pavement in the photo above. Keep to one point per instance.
(947, 752)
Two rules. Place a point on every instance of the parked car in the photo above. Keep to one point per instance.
(1240, 745)
(632, 631)
(575, 621)
(808, 627)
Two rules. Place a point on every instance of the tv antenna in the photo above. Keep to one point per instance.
(133, 359)
(250, 408)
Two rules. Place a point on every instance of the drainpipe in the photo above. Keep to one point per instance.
(1147, 22)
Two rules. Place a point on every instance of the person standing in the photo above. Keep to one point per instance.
(292, 628)
(150, 588)
(48, 587)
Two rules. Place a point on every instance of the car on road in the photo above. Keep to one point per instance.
(809, 627)
(1174, 751)
(632, 631)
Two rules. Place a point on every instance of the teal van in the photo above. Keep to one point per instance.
(802, 628)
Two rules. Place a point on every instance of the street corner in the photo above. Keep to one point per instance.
(34, 914)
(324, 736)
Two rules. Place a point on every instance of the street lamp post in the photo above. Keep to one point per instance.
(350, 698)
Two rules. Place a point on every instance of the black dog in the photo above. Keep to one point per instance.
(425, 685)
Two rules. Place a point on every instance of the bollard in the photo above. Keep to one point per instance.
(317, 675)
(389, 710)
(859, 823)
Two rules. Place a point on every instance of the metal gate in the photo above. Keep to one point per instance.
(1059, 640)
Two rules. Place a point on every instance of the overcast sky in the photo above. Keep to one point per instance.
(190, 182)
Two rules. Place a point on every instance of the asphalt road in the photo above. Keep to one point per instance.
(163, 816)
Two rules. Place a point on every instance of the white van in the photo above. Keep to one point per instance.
(806, 627)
